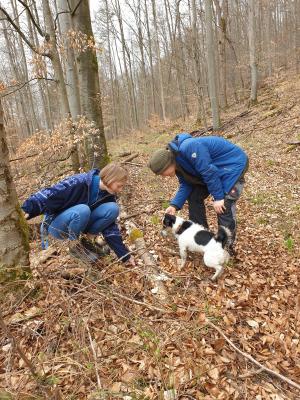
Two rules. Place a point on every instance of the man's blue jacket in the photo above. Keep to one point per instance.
(218, 162)
(76, 189)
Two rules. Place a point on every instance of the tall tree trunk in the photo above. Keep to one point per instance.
(252, 52)
(297, 34)
(127, 68)
(268, 16)
(222, 13)
(197, 67)
(54, 56)
(111, 74)
(161, 83)
(45, 112)
(212, 76)
(150, 58)
(14, 245)
(25, 76)
(90, 94)
(58, 71)
(72, 81)
(27, 130)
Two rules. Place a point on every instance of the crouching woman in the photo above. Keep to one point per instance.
(83, 204)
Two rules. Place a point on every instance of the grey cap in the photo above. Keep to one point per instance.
(160, 160)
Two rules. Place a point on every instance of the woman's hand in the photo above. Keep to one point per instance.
(219, 206)
(170, 210)
(131, 262)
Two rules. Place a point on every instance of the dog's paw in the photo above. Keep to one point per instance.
(217, 274)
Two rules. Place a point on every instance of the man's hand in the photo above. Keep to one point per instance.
(170, 210)
(219, 206)
(26, 215)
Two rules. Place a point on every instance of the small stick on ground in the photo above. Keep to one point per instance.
(94, 356)
(130, 158)
(250, 358)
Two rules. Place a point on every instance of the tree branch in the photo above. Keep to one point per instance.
(20, 86)
(29, 44)
(75, 9)
(39, 29)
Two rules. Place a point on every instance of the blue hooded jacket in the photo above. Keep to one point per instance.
(76, 189)
(218, 162)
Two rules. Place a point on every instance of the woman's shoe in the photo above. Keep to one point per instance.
(94, 247)
(82, 254)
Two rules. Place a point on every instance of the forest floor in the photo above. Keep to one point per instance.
(101, 333)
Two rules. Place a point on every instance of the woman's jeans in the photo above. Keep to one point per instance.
(197, 212)
(69, 224)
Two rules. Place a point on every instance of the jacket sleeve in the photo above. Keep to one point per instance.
(113, 238)
(182, 193)
(33, 207)
(198, 156)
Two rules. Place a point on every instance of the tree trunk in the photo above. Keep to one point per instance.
(222, 13)
(90, 95)
(212, 76)
(252, 52)
(14, 245)
(150, 58)
(115, 132)
(58, 71)
(72, 81)
(161, 84)
(297, 35)
(197, 67)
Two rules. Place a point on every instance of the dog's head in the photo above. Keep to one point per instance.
(169, 220)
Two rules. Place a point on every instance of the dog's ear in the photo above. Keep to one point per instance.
(183, 227)
(169, 220)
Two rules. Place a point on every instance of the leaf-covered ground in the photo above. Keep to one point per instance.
(101, 333)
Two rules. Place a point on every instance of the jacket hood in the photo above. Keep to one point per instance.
(178, 140)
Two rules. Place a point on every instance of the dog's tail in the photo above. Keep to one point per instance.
(223, 235)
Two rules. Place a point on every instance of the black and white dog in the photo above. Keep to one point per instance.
(195, 237)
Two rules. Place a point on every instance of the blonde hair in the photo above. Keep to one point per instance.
(113, 172)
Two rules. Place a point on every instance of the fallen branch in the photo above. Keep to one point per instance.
(250, 358)
(152, 272)
(201, 132)
(94, 356)
(136, 214)
(124, 154)
(135, 164)
(23, 158)
(296, 142)
(129, 158)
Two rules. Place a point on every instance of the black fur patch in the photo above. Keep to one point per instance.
(222, 236)
(169, 220)
(184, 227)
(203, 237)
